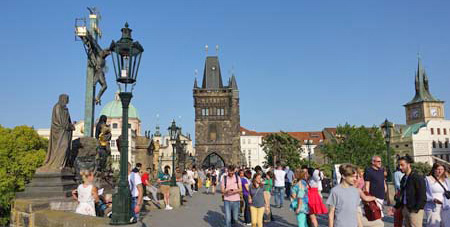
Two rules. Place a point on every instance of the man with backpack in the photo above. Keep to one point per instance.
(231, 189)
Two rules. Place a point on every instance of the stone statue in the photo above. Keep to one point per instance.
(97, 58)
(60, 137)
(103, 135)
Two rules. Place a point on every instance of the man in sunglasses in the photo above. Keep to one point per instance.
(374, 180)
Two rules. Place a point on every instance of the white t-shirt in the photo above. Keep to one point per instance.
(279, 177)
(191, 176)
(315, 181)
(134, 179)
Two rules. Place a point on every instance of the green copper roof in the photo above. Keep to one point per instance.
(413, 129)
(422, 88)
(114, 109)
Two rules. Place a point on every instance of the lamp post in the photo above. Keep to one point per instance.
(308, 146)
(387, 138)
(128, 55)
(174, 134)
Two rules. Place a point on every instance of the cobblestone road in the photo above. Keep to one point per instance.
(204, 210)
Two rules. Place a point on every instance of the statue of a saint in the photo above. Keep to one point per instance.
(103, 135)
(60, 137)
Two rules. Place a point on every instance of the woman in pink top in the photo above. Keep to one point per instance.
(360, 178)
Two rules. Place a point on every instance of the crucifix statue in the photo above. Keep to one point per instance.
(95, 67)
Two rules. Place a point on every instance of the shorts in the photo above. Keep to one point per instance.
(165, 189)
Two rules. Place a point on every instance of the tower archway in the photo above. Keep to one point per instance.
(213, 160)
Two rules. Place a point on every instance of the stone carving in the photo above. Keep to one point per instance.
(58, 153)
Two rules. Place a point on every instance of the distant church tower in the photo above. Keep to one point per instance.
(217, 118)
(423, 106)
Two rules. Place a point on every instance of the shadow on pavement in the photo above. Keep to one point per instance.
(214, 218)
(279, 221)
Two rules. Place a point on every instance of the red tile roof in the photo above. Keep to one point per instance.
(316, 136)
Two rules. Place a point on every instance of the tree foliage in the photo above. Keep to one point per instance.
(285, 147)
(356, 145)
(21, 152)
(421, 167)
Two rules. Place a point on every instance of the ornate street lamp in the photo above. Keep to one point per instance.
(387, 138)
(128, 55)
(308, 146)
(174, 134)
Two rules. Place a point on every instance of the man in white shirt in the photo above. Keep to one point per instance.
(137, 191)
(279, 185)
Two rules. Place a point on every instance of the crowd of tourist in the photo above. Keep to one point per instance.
(357, 199)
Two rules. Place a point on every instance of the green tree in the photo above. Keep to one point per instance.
(21, 152)
(421, 167)
(356, 145)
(285, 148)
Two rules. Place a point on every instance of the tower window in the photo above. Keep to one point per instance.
(432, 131)
(446, 144)
(440, 144)
(438, 131)
(434, 144)
(445, 131)
(205, 112)
(115, 125)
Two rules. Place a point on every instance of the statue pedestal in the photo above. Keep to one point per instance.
(49, 185)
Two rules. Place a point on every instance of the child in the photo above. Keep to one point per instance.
(344, 200)
(86, 194)
(208, 182)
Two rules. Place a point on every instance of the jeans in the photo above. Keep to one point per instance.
(154, 191)
(278, 193)
(189, 189)
(231, 211)
(288, 189)
(182, 189)
(133, 205)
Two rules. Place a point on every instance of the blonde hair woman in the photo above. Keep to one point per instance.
(86, 194)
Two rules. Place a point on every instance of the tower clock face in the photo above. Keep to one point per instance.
(415, 113)
(434, 111)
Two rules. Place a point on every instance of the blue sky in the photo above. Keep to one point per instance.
(300, 65)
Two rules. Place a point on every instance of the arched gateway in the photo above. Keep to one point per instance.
(213, 160)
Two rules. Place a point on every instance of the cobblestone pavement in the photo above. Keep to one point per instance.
(204, 210)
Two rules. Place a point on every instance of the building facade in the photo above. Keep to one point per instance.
(252, 150)
(217, 118)
(113, 111)
(426, 134)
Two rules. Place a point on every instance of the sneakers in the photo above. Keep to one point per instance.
(248, 224)
(168, 207)
(146, 198)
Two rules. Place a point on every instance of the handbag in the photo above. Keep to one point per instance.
(371, 209)
(446, 192)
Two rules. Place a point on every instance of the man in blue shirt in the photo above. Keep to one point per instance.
(397, 178)
(288, 181)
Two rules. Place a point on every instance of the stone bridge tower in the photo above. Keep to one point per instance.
(217, 118)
